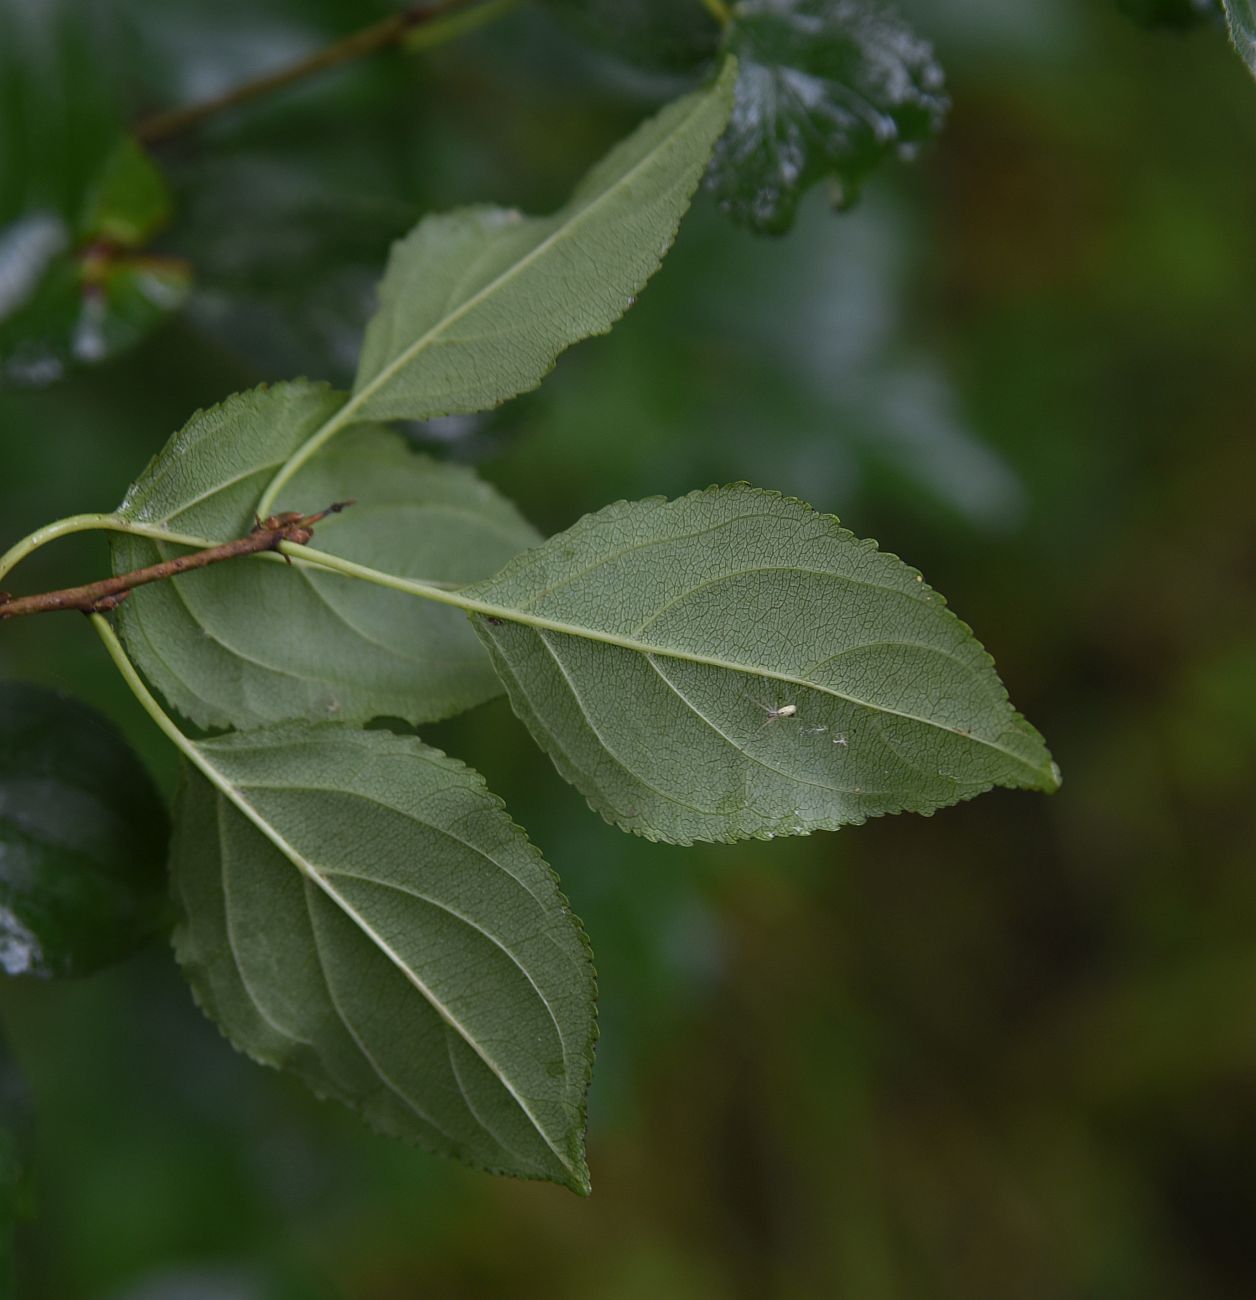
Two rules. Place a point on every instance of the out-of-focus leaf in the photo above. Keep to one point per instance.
(77, 198)
(826, 88)
(84, 308)
(254, 642)
(129, 200)
(10, 1210)
(734, 664)
(82, 838)
(476, 305)
(1170, 13)
(1240, 16)
(359, 910)
(653, 33)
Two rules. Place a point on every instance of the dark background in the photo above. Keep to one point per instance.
(1006, 1051)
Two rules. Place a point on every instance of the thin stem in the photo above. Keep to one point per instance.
(378, 36)
(108, 593)
(142, 693)
(49, 533)
(719, 11)
(91, 523)
(440, 30)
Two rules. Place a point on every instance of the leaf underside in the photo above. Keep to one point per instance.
(827, 88)
(476, 305)
(735, 664)
(255, 642)
(360, 911)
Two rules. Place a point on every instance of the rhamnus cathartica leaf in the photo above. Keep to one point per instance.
(82, 838)
(476, 305)
(736, 664)
(255, 642)
(358, 909)
(827, 88)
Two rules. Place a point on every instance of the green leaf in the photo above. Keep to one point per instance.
(1240, 16)
(827, 88)
(11, 1205)
(476, 305)
(82, 838)
(359, 909)
(77, 295)
(129, 201)
(653, 33)
(77, 198)
(734, 664)
(1179, 14)
(253, 642)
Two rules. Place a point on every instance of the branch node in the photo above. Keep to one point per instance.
(100, 597)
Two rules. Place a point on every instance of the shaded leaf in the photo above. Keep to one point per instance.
(1240, 16)
(652, 33)
(1181, 14)
(75, 294)
(734, 664)
(77, 199)
(82, 838)
(827, 88)
(16, 1198)
(477, 304)
(359, 910)
(252, 641)
(129, 201)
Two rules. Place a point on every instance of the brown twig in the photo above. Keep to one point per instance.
(109, 593)
(378, 36)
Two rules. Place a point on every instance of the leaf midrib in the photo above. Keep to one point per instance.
(308, 869)
(509, 614)
(361, 396)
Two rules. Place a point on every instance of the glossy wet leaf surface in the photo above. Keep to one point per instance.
(1241, 18)
(358, 909)
(736, 664)
(257, 641)
(82, 838)
(826, 89)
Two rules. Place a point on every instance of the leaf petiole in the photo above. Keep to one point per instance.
(72, 524)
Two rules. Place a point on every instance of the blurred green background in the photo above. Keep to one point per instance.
(1007, 1051)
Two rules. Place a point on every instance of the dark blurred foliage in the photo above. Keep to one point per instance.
(1007, 1051)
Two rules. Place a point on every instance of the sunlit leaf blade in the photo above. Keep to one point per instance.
(1240, 16)
(359, 909)
(476, 305)
(254, 642)
(82, 838)
(827, 88)
(735, 664)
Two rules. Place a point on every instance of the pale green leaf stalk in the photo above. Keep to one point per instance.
(477, 305)
(247, 644)
(736, 664)
(359, 910)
